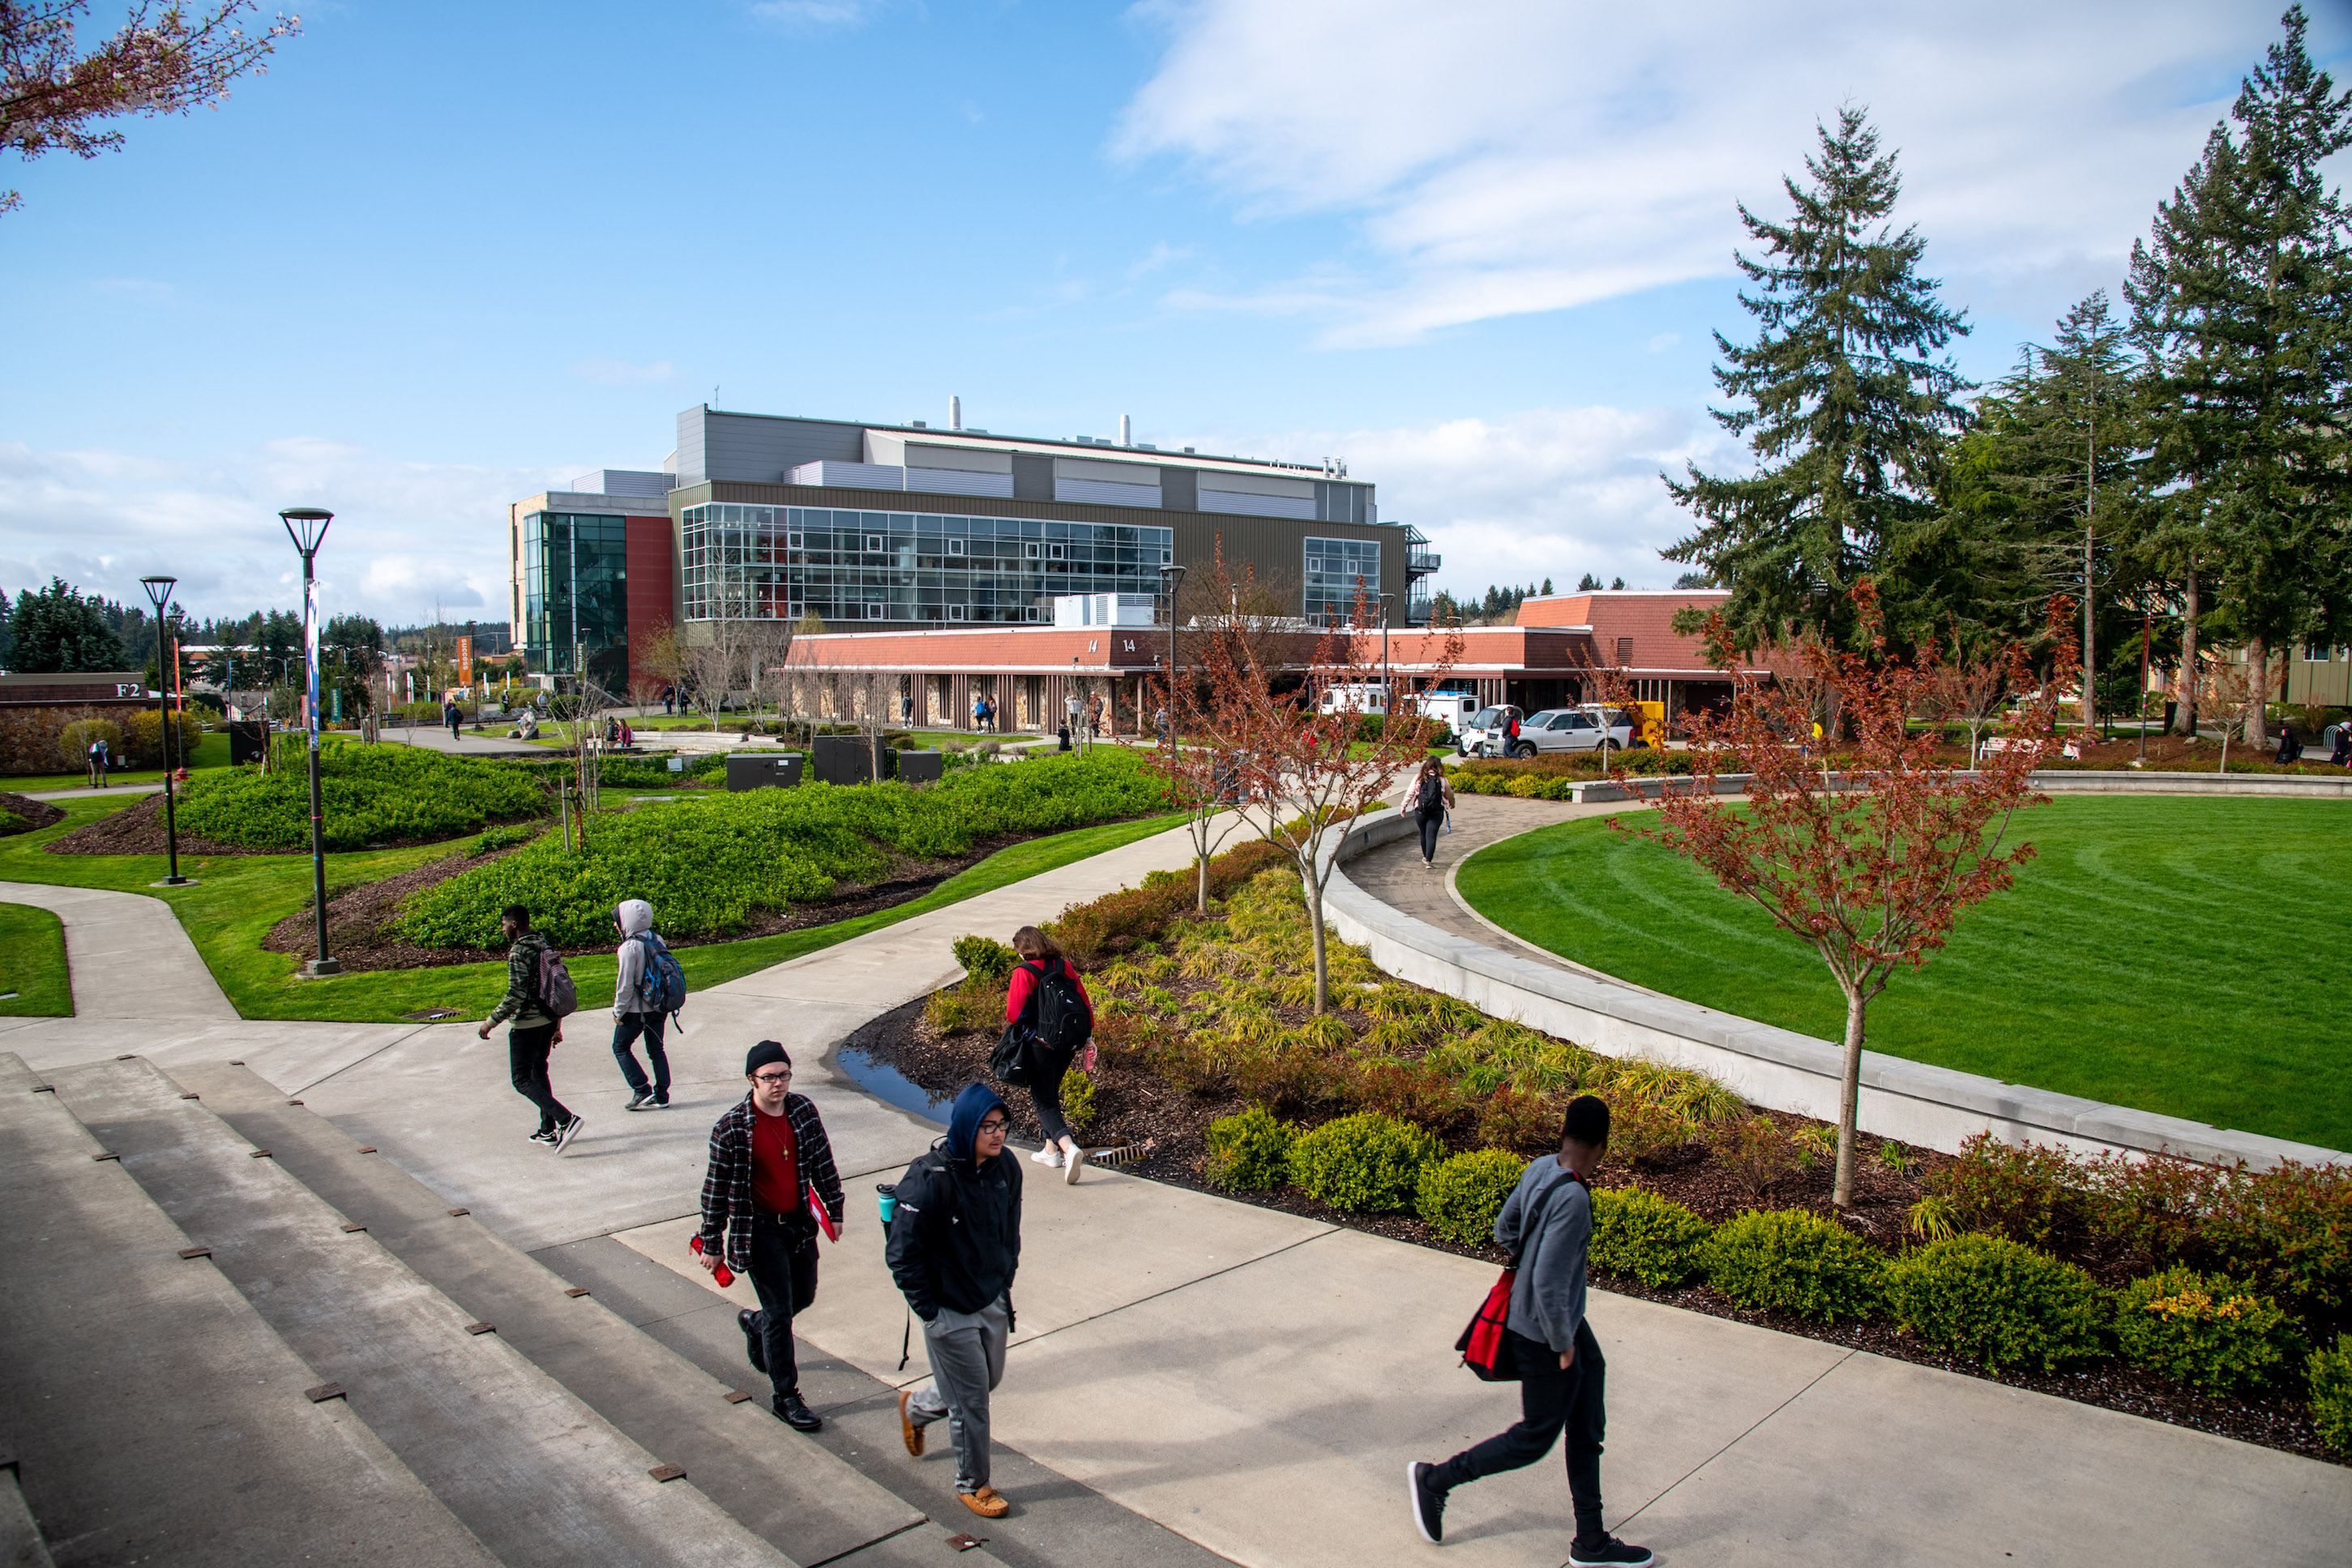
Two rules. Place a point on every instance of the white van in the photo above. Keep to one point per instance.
(1370, 697)
(1487, 732)
(1454, 710)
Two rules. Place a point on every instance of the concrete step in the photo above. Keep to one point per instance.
(541, 1479)
(808, 1503)
(153, 1416)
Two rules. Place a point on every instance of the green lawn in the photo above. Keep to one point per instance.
(238, 898)
(2168, 955)
(212, 751)
(33, 963)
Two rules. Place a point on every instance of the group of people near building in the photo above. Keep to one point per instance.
(952, 1221)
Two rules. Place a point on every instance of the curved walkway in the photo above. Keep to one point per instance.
(1196, 1373)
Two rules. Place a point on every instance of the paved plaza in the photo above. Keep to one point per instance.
(1196, 1376)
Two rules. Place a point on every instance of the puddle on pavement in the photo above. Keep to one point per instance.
(887, 1084)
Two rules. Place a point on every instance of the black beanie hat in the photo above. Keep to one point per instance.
(762, 1054)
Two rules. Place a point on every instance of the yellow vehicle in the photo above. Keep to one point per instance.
(1654, 722)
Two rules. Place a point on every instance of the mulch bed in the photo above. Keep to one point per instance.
(35, 813)
(138, 829)
(361, 934)
(1133, 1107)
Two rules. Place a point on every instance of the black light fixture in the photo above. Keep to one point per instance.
(159, 594)
(307, 527)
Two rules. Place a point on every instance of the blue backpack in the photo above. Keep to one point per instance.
(662, 986)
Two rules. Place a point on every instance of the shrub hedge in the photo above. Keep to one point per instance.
(1789, 1261)
(2206, 1331)
(985, 960)
(1250, 1152)
(1654, 1239)
(2330, 1374)
(1997, 1301)
(1366, 1162)
(371, 794)
(1459, 1196)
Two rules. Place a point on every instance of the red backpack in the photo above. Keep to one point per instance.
(1481, 1343)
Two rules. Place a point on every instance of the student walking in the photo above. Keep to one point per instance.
(101, 756)
(637, 1009)
(770, 1162)
(537, 1029)
(1432, 797)
(955, 1243)
(1048, 1003)
(450, 716)
(1546, 1223)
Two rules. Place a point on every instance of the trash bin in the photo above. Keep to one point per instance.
(920, 767)
(763, 769)
(846, 760)
(248, 739)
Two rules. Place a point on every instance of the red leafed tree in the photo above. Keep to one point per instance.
(1307, 778)
(1873, 867)
(52, 95)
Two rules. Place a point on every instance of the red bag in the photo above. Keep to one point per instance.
(723, 1274)
(1481, 1343)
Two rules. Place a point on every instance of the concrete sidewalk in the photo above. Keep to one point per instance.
(128, 955)
(1253, 1381)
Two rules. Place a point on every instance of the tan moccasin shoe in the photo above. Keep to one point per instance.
(985, 1503)
(907, 1430)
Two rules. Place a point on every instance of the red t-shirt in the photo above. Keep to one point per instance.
(775, 1165)
(1016, 992)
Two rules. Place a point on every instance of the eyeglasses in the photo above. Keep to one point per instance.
(772, 1079)
(991, 1123)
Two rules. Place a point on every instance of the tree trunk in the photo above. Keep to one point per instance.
(1315, 923)
(2257, 731)
(1848, 1096)
(2188, 682)
(2090, 646)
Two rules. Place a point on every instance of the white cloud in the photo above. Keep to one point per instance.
(620, 374)
(1506, 156)
(406, 534)
(815, 13)
(1544, 493)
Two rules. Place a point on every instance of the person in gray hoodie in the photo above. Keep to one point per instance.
(632, 1016)
(1546, 1222)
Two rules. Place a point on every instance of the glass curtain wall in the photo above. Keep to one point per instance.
(576, 596)
(780, 562)
(1335, 570)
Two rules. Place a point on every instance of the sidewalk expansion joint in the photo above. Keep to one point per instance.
(1736, 1441)
(1182, 1285)
(878, 1540)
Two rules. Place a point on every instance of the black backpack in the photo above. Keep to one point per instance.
(1063, 1022)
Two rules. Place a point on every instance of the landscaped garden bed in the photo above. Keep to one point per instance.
(2161, 1288)
(23, 814)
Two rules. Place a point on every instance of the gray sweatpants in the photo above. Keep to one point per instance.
(967, 1352)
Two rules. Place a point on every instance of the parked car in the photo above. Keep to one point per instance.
(1486, 733)
(1588, 729)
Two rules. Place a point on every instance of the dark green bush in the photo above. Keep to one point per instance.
(1639, 1234)
(506, 837)
(1366, 1162)
(985, 960)
(1990, 1299)
(2206, 1331)
(2025, 1191)
(1791, 1261)
(1250, 1152)
(1460, 1196)
(371, 794)
(2329, 1373)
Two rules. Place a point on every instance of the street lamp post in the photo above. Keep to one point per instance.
(1174, 577)
(307, 527)
(1387, 694)
(159, 593)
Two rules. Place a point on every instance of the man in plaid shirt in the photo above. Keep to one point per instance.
(768, 1156)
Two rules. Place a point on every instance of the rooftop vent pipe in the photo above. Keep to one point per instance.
(1126, 431)
(955, 412)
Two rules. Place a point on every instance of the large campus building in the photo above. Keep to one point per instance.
(904, 528)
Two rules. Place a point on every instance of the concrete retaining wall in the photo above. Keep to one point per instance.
(1929, 1106)
(2054, 781)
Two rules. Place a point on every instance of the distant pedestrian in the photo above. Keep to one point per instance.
(2290, 747)
(1160, 722)
(1432, 797)
(101, 757)
(669, 699)
(636, 1006)
(450, 716)
(1546, 1224)
(979, 713)
(955, 1243)
(1095, 715)
(2341, 753)
(1071, 709)
(769, 1158)
(1048, 1003)
(907, 709)
(537, 1029)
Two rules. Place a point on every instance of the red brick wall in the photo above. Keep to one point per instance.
(653, 584)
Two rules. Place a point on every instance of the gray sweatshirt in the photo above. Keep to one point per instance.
(635, 915)
(1547, 1298)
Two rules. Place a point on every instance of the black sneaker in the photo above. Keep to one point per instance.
(569, 1131)
(800, 1419)
(1428, 1501)
(754, 1343)
(641, 1101)
(1609, 1552)
(544, 1135)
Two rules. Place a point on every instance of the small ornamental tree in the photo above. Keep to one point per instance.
(1871, 869)
(1307, 778)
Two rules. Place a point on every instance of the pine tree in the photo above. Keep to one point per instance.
(2239, 296)
(1848, 407)
(55, 629)
(1588, 583)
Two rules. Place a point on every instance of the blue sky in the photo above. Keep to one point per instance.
(442, 254)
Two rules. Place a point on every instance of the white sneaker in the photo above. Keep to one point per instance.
(1050, 1157)
(1077, 1163)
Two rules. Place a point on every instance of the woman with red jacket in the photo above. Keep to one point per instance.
(1042, 961)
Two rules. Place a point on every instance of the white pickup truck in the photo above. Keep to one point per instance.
(1591, 727)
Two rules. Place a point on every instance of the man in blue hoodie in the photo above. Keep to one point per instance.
(955, 1243)
(1546, 1223)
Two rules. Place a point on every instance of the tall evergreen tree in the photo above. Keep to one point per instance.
(1848, 403)
(2241, 297)
(55, 629)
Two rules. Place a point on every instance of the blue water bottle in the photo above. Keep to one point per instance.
(889, 1201)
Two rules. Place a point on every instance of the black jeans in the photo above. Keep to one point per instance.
(1046, 1071)
(625, 1030)
(527, 1054)
(1430, 822)
(783, 1273)
(1549, 1399)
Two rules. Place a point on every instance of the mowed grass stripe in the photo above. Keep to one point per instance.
(2166, 954)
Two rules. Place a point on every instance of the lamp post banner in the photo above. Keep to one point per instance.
(310, 651)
